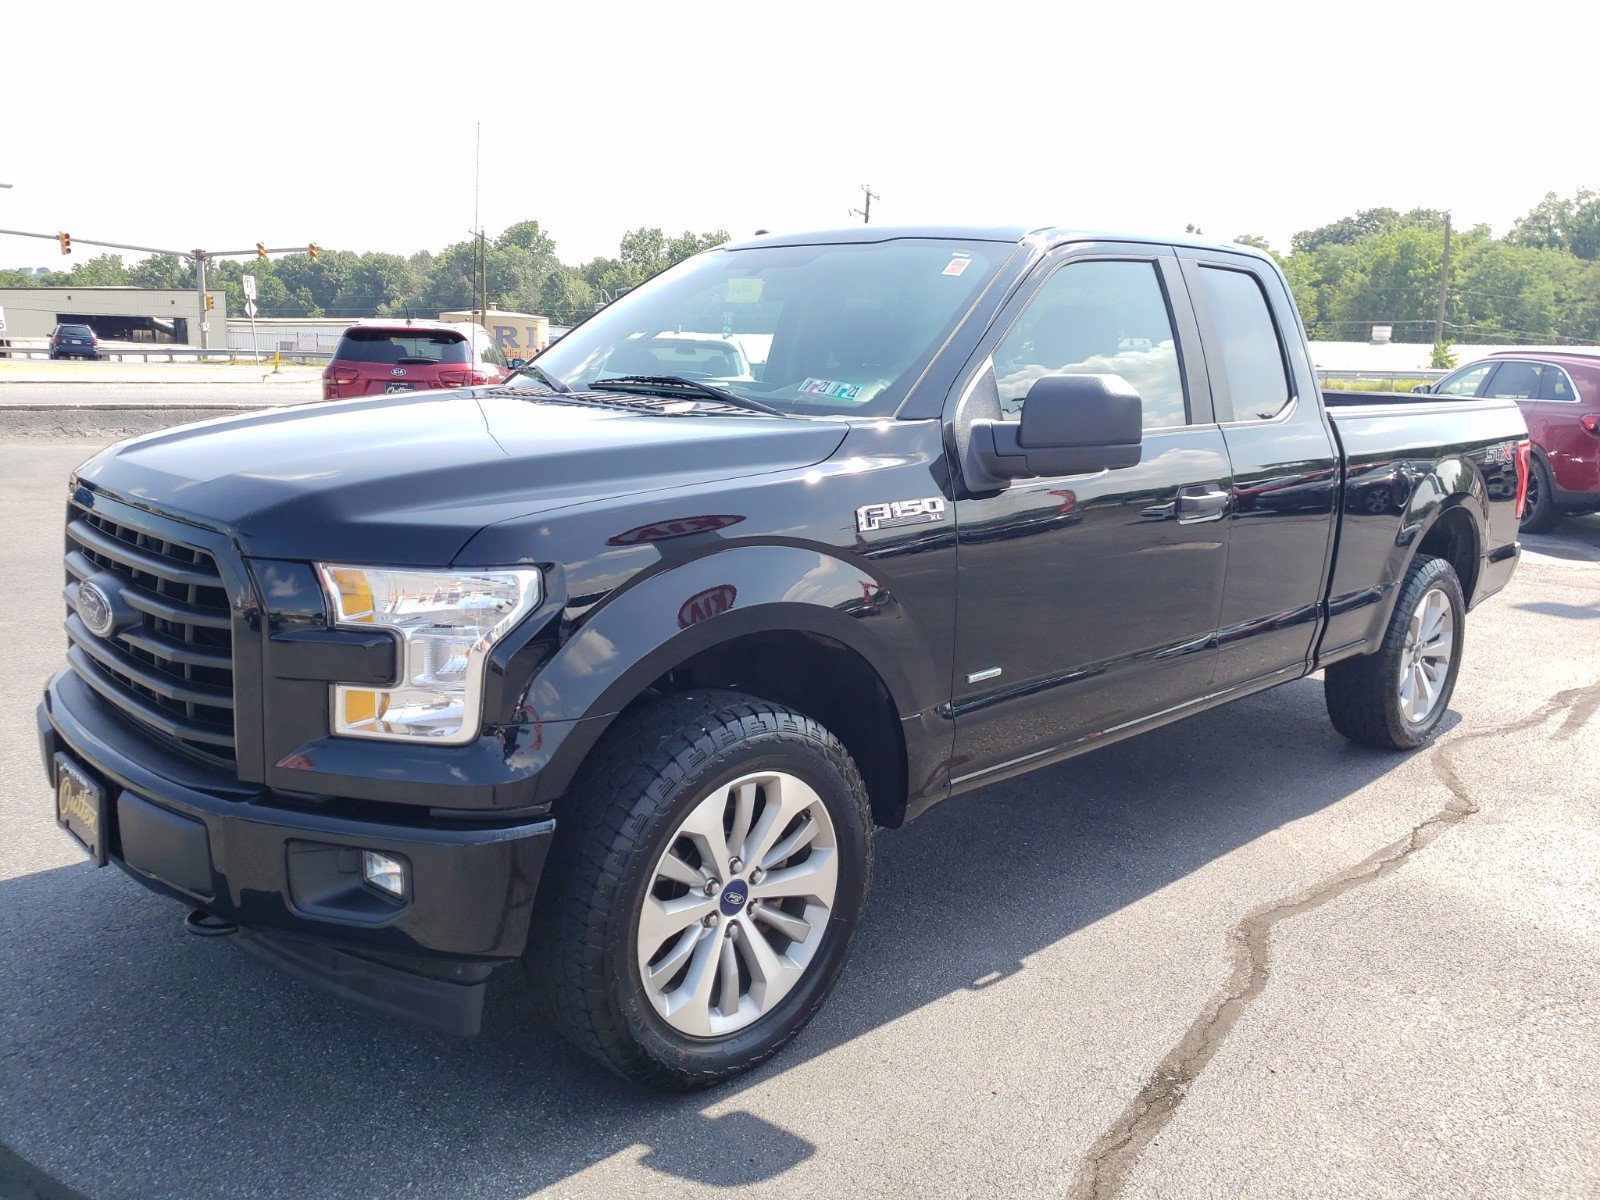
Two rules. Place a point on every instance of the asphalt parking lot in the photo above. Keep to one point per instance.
(1236, 957)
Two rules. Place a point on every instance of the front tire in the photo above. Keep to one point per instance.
(1396, 697)
(704, 888)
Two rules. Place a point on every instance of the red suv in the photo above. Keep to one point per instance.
(411, 356)
(1559, 395)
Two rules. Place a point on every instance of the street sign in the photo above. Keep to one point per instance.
(250, 308)
(2, 319)
(205, 326)
(249, 282)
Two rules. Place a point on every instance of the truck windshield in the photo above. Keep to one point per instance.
(834, 329)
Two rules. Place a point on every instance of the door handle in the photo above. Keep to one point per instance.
(1202, 502)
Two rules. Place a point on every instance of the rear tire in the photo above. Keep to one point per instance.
(1539, 514)
(1396, 697)
(655, 829)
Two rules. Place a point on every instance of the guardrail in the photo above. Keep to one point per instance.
(1389, 377)
(231, 354)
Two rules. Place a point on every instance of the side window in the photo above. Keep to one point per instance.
(491, 353)
(1464, 383)
(1252, 355)
(1515, 381)
(1556, 386)
(1097, 318)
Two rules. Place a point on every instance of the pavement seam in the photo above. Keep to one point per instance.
(1111, 1159)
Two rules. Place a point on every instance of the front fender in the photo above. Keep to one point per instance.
(645, 630)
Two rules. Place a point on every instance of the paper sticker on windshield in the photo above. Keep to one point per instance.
(830, 388)
(957, 264)
(744, 291)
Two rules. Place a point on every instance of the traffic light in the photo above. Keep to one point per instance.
(313, 250)
(261, 252)
(211, 301)
(66, 242)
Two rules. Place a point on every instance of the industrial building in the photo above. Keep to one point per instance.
(140, 316)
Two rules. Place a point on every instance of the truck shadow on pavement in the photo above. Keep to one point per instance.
(138, 1061)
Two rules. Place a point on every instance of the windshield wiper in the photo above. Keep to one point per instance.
(671, 384)
(534, 370)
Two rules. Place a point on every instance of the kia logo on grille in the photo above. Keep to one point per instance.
(94, 609)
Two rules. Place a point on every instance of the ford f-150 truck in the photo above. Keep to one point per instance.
(615, 668)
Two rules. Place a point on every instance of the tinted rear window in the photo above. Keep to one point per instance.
(1252, 356)
(79, 330)
(403, 346)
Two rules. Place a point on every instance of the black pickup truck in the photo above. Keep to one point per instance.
(614, 669)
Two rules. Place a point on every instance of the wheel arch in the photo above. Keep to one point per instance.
(1445, 517)
(790, 625)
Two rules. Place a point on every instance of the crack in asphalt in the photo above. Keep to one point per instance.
(1111, 1159)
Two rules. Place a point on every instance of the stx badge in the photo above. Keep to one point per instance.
(899, 512)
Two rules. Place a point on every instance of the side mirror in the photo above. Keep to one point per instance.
(1422, 387)
(516, 364)
(1071, 425)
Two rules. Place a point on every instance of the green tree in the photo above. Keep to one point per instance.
(163, 271)
(1555, 223)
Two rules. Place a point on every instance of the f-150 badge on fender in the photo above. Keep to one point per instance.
(895, 513)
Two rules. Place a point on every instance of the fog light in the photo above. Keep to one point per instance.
(384, 872)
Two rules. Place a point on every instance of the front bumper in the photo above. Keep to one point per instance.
(285, 868)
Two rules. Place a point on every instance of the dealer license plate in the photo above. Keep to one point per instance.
(81, 808)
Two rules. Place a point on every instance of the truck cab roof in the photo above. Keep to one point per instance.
(1044, 235)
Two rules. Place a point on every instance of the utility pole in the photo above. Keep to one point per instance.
(483, 279)
(865, 211)
(1444, 285)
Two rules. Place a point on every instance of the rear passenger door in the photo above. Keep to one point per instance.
(1285, 468)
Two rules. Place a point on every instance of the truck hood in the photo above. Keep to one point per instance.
(408, 480)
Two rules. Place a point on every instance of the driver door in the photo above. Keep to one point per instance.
(1087, 604)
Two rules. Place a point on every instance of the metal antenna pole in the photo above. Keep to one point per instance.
(477, 181)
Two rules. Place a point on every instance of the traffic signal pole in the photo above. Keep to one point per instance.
(199, 256)
(200, 293)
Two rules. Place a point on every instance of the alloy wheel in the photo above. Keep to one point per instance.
(738, 904)
(1425, 660)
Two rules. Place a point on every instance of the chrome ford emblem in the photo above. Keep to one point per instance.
(397, 370)
(94, 609)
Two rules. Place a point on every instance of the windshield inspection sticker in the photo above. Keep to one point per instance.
(957, 264)
(830, 388)
(744, 291)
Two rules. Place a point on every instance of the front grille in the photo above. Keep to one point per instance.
(170, 668)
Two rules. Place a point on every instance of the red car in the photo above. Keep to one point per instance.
(1559, 395)
(375, 357)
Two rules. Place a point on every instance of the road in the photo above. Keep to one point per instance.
(109, 410)
(1237, 957)
(164, 394)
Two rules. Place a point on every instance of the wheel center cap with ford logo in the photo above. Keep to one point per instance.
(734, 896)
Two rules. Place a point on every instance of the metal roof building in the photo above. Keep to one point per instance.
(143, 316)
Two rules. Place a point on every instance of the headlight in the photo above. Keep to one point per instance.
(447, 622)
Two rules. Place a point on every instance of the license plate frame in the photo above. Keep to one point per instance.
(81, 808)
(398, 387)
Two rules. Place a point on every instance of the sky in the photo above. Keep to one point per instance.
(353, 125)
